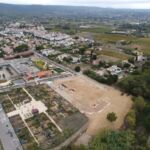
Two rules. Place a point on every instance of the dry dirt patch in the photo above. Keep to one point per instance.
(95, 100)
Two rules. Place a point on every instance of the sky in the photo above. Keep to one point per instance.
(135, 4)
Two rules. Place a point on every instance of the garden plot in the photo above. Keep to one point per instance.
(22, 132)
(43, 129)
(65, 115)
(42, 116)
(58, 108)
(41, 92)
(19, 97)
(6, 103)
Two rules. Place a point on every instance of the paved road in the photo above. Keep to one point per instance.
(32, 83)
(7, 134)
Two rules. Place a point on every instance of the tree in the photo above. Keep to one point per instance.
(137, 84)
(113, 140)
(126, 65)
(39, 47)
(67, 59)
(94, 57)
(131, 60)
(139, 103)
(111, 117)
(82, 50)
(147, 122)
(21, 48)
(1, 53)
(77, 69)
(106, 79)
(131, 119)
(101, 64)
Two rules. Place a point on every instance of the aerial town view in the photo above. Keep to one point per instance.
(75, 75)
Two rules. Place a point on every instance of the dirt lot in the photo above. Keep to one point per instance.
(95, 100)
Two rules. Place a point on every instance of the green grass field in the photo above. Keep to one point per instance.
(114, 54)
(100, 29)
(144, 44)
(112, 37)
(40, 64)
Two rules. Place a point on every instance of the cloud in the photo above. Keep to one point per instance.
(143, 4)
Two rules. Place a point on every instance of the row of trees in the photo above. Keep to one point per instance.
(21, 48)
(107, 79)
(138, 119)
(113, 140)
(138, 83)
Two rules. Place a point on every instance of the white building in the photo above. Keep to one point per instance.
(114, 70)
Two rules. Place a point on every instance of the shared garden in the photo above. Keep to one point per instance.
(42, 130)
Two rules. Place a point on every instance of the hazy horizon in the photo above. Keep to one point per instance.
(129, 4)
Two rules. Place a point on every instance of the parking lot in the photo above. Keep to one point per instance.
(24, 66)
(7, 72)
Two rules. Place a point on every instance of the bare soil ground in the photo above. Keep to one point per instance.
(96, 101)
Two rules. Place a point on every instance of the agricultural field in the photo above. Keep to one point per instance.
(134, 43)
(109, 38)
(143, 44)
(99, 29)
(120, 56)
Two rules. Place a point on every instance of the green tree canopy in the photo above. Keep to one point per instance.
(21, 48)
(77, 69)
(111, 117)
(139, 103)
(131, 119)
(113, 140)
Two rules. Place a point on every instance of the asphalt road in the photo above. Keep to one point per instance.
(7, 134)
